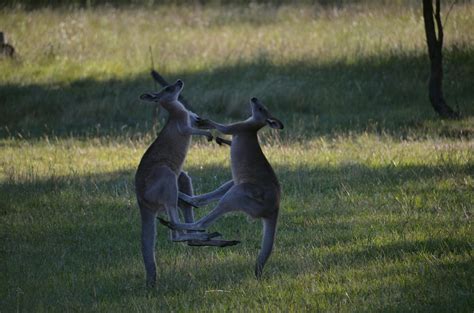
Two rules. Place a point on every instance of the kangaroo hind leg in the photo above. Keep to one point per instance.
(163, 192)
(185, 186)
(238, 198)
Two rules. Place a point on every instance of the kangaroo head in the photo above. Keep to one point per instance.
(166, 95)
(262, 116)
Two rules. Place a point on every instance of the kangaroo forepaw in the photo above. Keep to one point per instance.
(203, 123)
(221, 141)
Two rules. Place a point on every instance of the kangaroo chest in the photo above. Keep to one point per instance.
(169, 149)
(248, 162)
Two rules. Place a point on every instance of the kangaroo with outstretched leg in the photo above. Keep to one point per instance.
(254, 188)
(159, 176)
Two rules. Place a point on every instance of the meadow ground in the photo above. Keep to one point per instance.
(377, 192)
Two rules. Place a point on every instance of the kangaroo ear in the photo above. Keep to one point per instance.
(148, 97)
(274, 123)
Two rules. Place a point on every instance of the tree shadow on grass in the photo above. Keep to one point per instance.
(82, 233)
(375, 94)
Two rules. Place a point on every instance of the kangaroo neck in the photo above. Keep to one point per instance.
(174, 108)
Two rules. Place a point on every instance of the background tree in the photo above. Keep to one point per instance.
(434, 39)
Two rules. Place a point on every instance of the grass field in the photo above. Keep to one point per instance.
(378, 192)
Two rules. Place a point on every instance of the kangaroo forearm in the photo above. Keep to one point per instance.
(204, 126)
(198, 122)
(225, 129)
(199, 132)
(186, 130)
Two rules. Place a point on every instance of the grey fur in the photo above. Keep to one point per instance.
(159, 175)
(254, 188)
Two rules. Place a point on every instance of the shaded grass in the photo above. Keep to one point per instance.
(373, 229)
(312, 99)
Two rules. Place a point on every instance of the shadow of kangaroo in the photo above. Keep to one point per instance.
(159, 176)
(254, 187)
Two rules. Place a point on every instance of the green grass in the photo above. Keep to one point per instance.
(377, 192)
(327, 70)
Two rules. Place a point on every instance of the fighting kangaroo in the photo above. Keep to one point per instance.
(159, 176)
(254, 188)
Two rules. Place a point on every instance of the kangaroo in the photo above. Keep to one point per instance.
(159, 175)
(254, 188)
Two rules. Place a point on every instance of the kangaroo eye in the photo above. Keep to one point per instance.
(260, 109)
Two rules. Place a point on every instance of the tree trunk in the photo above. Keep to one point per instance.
(435, 47)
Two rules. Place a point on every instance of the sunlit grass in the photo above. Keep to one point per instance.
(108, 43)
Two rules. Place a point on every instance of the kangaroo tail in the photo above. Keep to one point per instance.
(148, 245)
(269, 231)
